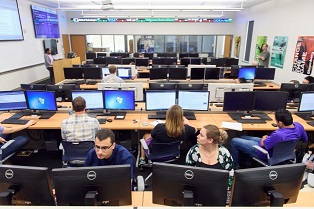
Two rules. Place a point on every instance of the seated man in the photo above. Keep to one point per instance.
(107, 152)
(19, 142)
(112, 78)
(79, 126)
(288, 130)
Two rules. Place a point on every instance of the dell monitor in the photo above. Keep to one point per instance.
(101, 55)
(158, 61)
(185, 61)
(238, 101)
(162, 86)
(25, 185)
(270, 100)
(265, 73)
(124, 72)
(247, 72)
(234, 71)
(149, 55)
(294, 90)
(93, 98)
(101, 185)
(199, 103)
(195, 61)
(267, 186)
(100, 60)
(158, 73)
(160, 100)
(170, 61)
(231, 61)
(12, 100)
(141, 62)
(114, 60)
(92, 73)
(41, 87)
(212, 73)
(190, 86)
(105, 71)
(63, 92)
(90, 55)
(73, 73)
(306, 106)
(119, 100)
(42, 101)
(197, 73)
(179, 185)
(176, 73)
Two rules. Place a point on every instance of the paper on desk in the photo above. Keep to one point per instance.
(232, 125)
(154, 123)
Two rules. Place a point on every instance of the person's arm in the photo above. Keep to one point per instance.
(262, 140)
(191, 156)
(47, 60)
(89, 160)
(2, 140)
(16, 128)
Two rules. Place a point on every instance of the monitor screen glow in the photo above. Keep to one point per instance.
(247, 72)
(306, 102)
(94, 99)
(12, 100)
(124, 72)
(199, 103)
(160, 100)
(119, 100)
(105, 71)
(41, 100)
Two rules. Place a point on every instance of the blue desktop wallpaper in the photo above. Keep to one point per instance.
(248, 73)
(119, 100)
(41, 100)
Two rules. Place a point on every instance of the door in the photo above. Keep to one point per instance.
(78, 45)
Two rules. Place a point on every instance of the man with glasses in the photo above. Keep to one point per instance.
(107, 152)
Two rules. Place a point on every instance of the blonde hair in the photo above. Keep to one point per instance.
(174, 121)
(218, 135)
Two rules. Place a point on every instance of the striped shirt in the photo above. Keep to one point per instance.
(79, 128)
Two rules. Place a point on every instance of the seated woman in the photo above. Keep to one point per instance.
(209, 153)
(176, 128)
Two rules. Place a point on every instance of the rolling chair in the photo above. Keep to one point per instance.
(160, 152)
(283, 153)
(3, 153)
(75, 153)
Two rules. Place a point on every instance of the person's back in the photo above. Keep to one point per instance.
(112, 78)
(79, 126)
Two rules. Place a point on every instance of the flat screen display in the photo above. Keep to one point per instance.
(160, 100)
(45, 22)
(10, 23)
(94, 99)
(306, 102)
(12, 100)
(247, 72)
(119, 99)
(41, 100)
(199, 104)
(124, 72)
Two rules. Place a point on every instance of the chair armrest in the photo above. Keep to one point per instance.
(7, 144)
(260, 149)
(143, 143)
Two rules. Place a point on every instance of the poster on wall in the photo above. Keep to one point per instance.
(303, 55)
(237, 43)
(278, 52)
(259, 44)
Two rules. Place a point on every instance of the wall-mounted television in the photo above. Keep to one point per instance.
(45, 22)
(11, 29)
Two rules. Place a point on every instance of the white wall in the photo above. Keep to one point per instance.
(290, 18)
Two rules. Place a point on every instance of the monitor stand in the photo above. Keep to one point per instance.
(95, 113)
(276, 198)
(188, 198)
(43, 114)
(6, 197)
(91, 198)
(306, 115)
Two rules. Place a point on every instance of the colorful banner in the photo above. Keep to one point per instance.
(278, 52)
(237, 43)
(259, 43)
(303, 55)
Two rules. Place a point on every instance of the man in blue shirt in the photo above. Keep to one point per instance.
(107, 152)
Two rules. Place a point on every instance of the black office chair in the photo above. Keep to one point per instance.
(4, 155)
(75, 152)
(283, 153)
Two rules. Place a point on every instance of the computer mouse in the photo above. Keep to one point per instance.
(109, 120)
(271, 86)
(274, 124)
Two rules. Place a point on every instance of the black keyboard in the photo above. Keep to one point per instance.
(14, 121)
(251, 121)
(311, 123)
(161, 117)
(293, 104)
(259, 84)
(91, 82)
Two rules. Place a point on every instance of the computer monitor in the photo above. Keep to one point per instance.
(265, 73)
(180, 185)
(114, 60)
(270, 100)
(219, 62)
(119, 99)
(183, 55)
(124, 72)
(41, 100)
(100, 60)
(62, 92)
(73, 73)
(176, 73)
(92, 73)
(93, 98)
(234, 71)
(101, 185)
(90, 55)
(127, 61)
(149, 55)
(141, 62)
(238, 101)
(160, 66)
(212, 73)
(190, 86)
(101, 54)
(231, 61)
(105, 71)
(306, 106)
(195, 61)
(197, 73)
(267, 186)
(12, 100)
(136, 87)
(158, 61)
(159, 100)
(33, 87)
(162, 54)
(158, 73)
(162, 86)
(247, 72)
(109, 86)
(171, 60)
(199, 103)
(198, 66)
(185, 61)
(25, 185)
(114, 54)
(294, 90)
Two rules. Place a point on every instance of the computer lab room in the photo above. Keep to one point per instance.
(156, 103)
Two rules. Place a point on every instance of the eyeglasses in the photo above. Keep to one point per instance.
(103, 149)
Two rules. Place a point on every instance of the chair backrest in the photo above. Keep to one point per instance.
(76, 150)
(283, 152)
(164, 151)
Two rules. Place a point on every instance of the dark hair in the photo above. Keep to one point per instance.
(46, 50)
(242, 80)
(284, 116)
(104, 134)
(112, 69)
(78, 104)
(309, 78)
(265, 44)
